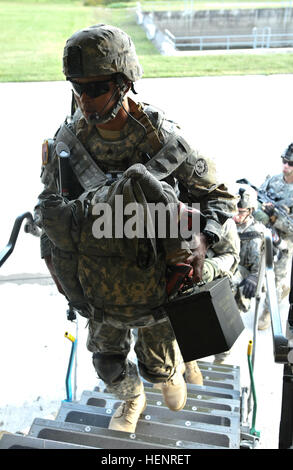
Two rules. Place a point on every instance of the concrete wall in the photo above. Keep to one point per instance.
(259, 24)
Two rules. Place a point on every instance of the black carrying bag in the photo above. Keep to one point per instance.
(205, 321)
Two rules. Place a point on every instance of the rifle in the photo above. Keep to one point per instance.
(263, 198)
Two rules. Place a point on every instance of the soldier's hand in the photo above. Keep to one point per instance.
(209, 271)
(268, 208)
(198, 257)
(249, 285)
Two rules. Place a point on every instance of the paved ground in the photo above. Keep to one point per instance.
(244, 122)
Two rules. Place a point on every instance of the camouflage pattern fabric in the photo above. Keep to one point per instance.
(102, 50)
(224, 255)
(157, 359)
(85, 264)
(156, 349)
(217, 202)
(250, 252)
(277, 188)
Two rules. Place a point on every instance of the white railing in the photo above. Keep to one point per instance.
(254, 41)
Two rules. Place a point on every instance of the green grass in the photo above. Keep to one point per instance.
(32, 37)
(33, 34)
(236, 64)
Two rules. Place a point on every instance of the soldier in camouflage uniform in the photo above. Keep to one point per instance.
(251, 235)
(223, 258)
(279, 189)
(120, 284)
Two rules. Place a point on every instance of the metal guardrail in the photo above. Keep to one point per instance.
(255, 40)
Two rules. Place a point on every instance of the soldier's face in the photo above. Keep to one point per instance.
(105, 91)
(241, 216)
(287, 169)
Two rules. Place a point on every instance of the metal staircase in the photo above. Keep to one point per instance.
(211, 419)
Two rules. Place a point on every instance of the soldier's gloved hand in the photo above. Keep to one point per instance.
(261, 216)
(209, 270)
(269, 208)
(249, 285)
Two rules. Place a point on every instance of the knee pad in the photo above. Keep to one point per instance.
(111, 368)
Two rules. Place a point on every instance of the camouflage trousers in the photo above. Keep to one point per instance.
(282, 270)
(156, 348)
(242, 302)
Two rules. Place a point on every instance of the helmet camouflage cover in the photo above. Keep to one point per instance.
(100, 50)
(288, 153)
(248, 197)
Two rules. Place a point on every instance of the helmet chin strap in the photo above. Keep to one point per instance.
(100, 118)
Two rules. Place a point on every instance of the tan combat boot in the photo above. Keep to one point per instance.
(126, 416)
(193, 374)
(264, 320)
(175, 392)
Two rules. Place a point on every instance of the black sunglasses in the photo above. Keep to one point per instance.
(287, 161)
(91, 89)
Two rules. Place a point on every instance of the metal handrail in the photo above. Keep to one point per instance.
(30, 227)
(266, 276)
(266, 273)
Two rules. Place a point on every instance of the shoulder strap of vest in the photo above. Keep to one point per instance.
(87, 171)
(169, 158)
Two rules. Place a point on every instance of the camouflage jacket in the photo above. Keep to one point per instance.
(225, 253)
(195, 178)
(282, 192)
(250, 234)
(114, 284)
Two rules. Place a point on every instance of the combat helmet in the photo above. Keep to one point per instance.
(100, 50)
(288, 153)
(248, 197)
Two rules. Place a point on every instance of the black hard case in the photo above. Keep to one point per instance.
(206, 321)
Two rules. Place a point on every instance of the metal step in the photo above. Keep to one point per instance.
(220, 376)
(210, 419)
(205, 404)
(198, 391)
(102, 437)
(93, 436)
(185, 425)
(17, 441)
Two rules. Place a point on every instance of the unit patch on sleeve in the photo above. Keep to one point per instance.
(201, 167)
